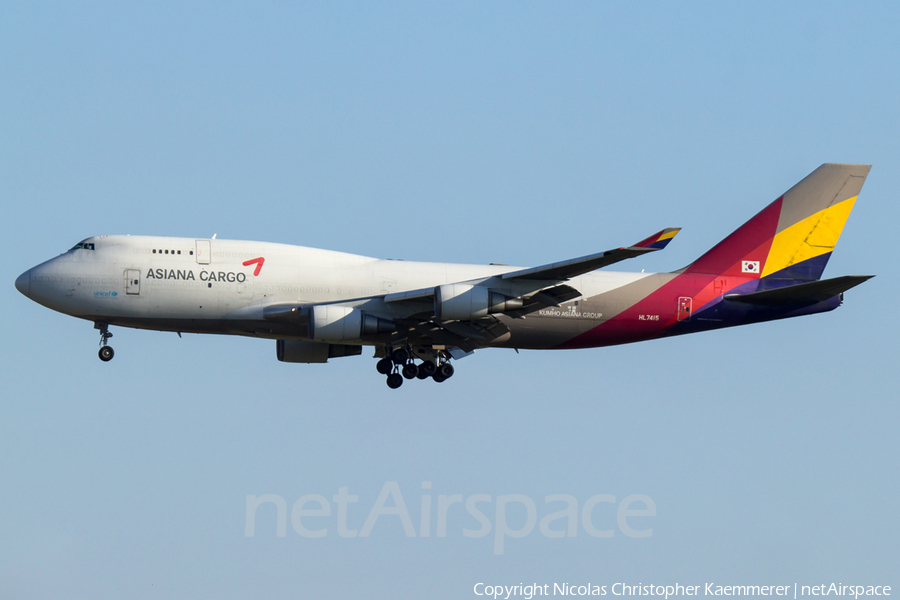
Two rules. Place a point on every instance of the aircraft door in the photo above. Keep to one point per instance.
(132, 282)
(202, 253)
(684, 308)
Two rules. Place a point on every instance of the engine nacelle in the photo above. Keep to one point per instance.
(297, 351)
(462, 302)
(330, 323)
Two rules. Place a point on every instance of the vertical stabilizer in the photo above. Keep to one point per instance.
(793, 237)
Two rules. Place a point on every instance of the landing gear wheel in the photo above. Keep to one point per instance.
(438, 377)
(446, 370)
(385, 366)
(394, 380)
(105, 334)
(422, 374)
(399, 356)
(428, 367)
(410, 370)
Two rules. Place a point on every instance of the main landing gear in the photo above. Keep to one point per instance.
(400, 365)
(106, 352)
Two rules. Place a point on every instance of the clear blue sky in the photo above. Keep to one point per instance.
(520, 133)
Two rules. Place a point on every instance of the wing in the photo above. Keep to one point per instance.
(412, 314)
(567, 269)
(559, 271)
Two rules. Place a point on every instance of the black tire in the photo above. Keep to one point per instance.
(446, 370)
(428, 367)
(106, 353)
(410, 370)
(438, 377)
(385, 366)
(422, 374)
(400, 356)
(394, 380)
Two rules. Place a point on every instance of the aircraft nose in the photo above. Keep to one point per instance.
(23, 282)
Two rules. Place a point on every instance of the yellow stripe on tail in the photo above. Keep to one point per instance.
(813, 236)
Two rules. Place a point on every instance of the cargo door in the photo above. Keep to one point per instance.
(132, 282)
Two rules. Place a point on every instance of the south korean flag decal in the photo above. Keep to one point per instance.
(750, 266)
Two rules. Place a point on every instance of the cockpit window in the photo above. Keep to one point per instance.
(83, 246)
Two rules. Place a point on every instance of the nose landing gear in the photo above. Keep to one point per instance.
(106, 352)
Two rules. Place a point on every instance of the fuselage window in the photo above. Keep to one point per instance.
(154, 251)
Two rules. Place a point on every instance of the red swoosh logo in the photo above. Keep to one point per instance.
(255, 261)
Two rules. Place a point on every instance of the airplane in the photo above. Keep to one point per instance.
(418, 316)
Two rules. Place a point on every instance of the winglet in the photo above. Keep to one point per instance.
(660, 240)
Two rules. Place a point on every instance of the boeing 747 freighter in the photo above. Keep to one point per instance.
(319, 304)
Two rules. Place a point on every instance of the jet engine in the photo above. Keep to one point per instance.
(330, 323)
(462, 302)
(297, 351)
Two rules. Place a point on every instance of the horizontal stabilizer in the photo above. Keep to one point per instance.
(816, 291)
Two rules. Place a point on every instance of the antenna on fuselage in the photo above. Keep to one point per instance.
(214, 236)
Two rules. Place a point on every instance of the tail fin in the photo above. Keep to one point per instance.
(793, 237)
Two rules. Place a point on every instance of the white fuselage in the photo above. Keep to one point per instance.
(222, 286)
